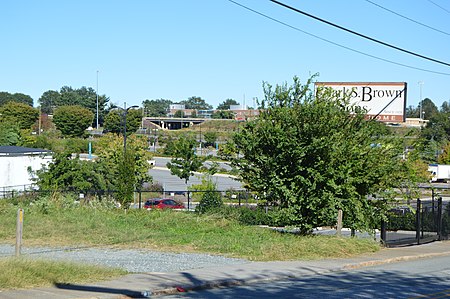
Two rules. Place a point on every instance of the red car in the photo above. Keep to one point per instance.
(162, 203)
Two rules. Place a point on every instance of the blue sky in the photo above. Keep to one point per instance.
(214, 49)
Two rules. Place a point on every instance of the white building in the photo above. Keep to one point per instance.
(15, 163)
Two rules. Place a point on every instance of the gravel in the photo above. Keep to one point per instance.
(134, 261)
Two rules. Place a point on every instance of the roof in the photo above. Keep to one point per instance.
(10, 150)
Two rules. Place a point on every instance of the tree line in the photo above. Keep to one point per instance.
(305, 158)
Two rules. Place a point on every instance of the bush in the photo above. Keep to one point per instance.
(210, 200)
(256, 216)
(406, 221)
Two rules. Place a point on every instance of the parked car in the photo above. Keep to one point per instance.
(162, 203)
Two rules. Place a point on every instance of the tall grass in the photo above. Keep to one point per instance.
(55, 224)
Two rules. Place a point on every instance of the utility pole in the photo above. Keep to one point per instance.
(97, 100)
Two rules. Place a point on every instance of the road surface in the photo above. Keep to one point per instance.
(162, 175)
(423, 278)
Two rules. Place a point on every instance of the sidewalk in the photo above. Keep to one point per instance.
(135, 285)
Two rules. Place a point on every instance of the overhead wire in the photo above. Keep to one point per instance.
(407, 18)
(441, 7)
(359, 34)
(337, 44)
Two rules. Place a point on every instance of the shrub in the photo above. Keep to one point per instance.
(210, 200)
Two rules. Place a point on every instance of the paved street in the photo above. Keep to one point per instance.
(403, 272)
(170, 182)
(424, 278)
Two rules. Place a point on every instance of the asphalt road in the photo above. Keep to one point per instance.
(170, 182)
(423, 278)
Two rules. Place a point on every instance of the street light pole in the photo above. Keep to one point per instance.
(125, 112)
(420, 99)
(97, 100)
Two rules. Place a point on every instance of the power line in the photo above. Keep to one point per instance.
(359, 34)
(441, 7)
(336, 44)
(409, 19)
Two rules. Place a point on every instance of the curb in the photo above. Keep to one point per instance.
(240, 282)
(393, 260)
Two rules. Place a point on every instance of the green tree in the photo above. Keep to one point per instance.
(68, 96)
(72, 121)
(225, 105)
(156, 108)
(49, 100)
(110, 151)
(223, 114)
(429, 109)
(196, 103)
(412, 112)
(228, 151)
(9, 133)
(210, 138)
(312, 155)
(65, 173)
(21, 114)
(184, 161)
(127, 178)
(178, 114)
(114, 121)
(88, 99)
(5, 97)
(16, 97)
(211, 198)
(445, 107)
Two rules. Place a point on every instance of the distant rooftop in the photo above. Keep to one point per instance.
(10, 150)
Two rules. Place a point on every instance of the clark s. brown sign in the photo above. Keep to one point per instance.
(385, 101)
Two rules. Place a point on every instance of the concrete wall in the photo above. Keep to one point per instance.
(14, 169)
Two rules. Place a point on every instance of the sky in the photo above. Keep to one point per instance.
(133, 50)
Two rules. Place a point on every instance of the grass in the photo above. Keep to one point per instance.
(170, 231)
(19, 273)
(61, 223)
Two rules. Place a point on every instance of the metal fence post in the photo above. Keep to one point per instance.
(418, 221)
(383, 231)
(188, 200)
(140, 198)
(439, 219)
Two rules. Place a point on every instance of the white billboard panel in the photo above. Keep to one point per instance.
(385, 101)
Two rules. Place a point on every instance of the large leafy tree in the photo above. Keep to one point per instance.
(225, 105)
(126, 171)
(72, 121)
(21, 114)
(156, 108)
(49, 100)
(184, 161)
(65, 173)
(84, 96)
(412, 111)
(312, 155)
(114, 121)
(429, 109)
(107, 172)
(16, 97)
(223, 114)
(9, 133)
(196, 103)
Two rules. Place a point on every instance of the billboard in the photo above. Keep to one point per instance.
(384, 101)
